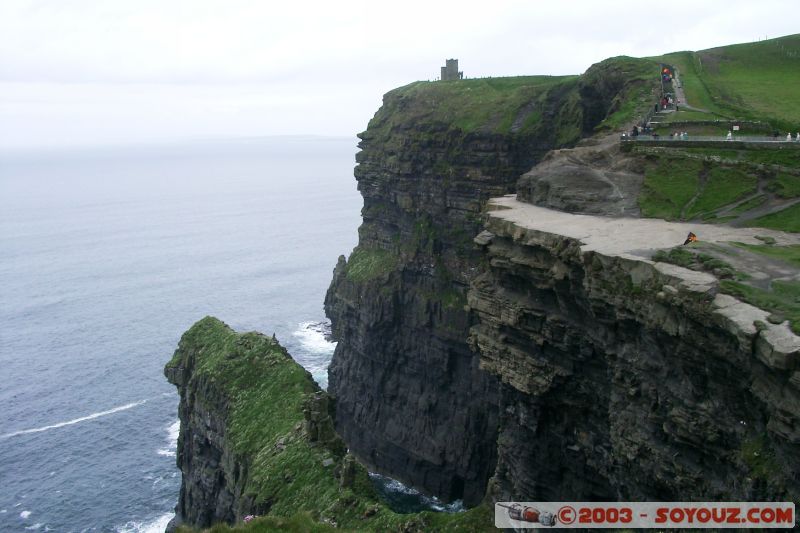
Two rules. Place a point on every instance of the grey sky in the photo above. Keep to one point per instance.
(111, 71)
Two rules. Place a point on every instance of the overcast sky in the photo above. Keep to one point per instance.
(116, 71)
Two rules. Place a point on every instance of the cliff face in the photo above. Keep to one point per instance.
(628, 380)
(411, 400)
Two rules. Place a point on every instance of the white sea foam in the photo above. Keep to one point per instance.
(431, 502)
(172, 440)
(24, 514)
(313, 336)
(156, 525)
(75, 420)
(35, 526)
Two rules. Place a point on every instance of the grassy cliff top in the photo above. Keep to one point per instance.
(522, 104)
(751, 81)
(263, 387)
(755, 83)
(484, 103)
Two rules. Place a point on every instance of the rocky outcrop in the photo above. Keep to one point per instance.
(597, 179)
(412, 401)
(624, 379)
(215, 371)
(596, 176)
(212, 475)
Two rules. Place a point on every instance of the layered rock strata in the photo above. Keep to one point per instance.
(624, 379)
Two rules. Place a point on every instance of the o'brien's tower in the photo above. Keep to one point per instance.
(450, 71)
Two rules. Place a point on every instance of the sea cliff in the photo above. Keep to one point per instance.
(411, 399)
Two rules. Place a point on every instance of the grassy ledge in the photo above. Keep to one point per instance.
(366, 264)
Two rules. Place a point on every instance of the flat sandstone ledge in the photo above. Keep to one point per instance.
(636, 239)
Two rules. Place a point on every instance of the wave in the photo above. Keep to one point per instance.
(75, 420)
(156, 525)
(172, 440)
(315, 337)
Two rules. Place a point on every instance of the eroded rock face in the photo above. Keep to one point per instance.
(621, 380)
(210, 490)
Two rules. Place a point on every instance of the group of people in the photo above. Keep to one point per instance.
(664, 103)
(684, 136)
(775, 136)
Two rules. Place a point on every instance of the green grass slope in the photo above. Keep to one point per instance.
(753, 81)
(742, 187)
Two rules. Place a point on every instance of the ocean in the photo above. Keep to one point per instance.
(106, 257)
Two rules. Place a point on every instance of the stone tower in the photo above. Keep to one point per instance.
(450, 71)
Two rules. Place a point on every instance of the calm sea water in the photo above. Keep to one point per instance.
(106, 257)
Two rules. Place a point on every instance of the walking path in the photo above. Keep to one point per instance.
(680, 102)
